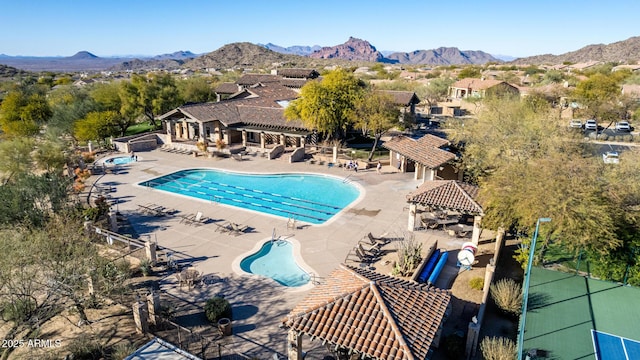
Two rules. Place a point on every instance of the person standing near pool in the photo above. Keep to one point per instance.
(379, 167)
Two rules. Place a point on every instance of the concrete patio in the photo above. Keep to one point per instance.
(259, 304)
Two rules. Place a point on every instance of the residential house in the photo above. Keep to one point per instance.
(407, 100)
(470, 87)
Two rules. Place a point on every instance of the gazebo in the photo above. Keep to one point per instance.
(446, 195)
(359, 312)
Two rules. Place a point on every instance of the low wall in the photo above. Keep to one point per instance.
(276, 151)
(297, 155)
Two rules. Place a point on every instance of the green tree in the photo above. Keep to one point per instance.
(149, 96)
(470, 71)
(15, 157)
(327, 105)
(23, 111)
(99, 125)
(436, 90)
(375, 114)
(526, 168)
(68, 104)
(195, 90)
(599, 95)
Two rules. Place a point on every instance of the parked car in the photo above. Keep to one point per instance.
(610, 157)
(623, 126)
(591, 125)
(575, 124)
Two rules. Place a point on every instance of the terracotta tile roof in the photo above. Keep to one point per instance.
(447, 195)
(267, 117)
(252, 79)
(385, 318)
(476, 84)
(227, 88)
(294, 83)
(298, 73)
(273, 93)
(405, 98)
(425, 151)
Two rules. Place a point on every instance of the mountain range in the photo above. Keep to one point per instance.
(353, 53)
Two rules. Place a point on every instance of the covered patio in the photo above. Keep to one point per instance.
(426, 156)
(443, 200)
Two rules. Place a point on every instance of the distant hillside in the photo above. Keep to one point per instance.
(178, 55)
(443, 56)
(621, 51)
(292, 50)
(242, 54)
(82, 55)
(153, 64)
(8, 72)
(353, 49)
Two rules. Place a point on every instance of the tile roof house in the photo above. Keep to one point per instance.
(370, 315)
(427, 156)
(469, 87)
(253, 116)
(406, 99)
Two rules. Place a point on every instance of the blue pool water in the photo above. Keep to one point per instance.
(303, 197)
(275, 260)
(121, 160)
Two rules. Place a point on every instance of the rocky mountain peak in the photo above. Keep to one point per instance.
(352, 49)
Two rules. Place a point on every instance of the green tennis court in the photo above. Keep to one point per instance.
(564, 308)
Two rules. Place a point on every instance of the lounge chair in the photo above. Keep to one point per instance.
(364, 257)
(375, 241)
(196, 219)
(370, 251)
(232, 228)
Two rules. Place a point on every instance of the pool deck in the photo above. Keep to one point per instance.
(259, 304)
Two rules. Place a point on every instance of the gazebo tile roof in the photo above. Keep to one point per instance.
(376, 318)
(447, 194)
(425, 151)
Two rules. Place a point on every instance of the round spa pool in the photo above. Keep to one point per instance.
(275, 260)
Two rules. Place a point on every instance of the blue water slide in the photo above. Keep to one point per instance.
(436, 271)
(431, 263)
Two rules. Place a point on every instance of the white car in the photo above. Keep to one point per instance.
(591, 125)
(575, 124)
(623, 126)
(610, 157)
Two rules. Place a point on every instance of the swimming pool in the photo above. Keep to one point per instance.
(275, 260)
(119, 160)
(304, 197)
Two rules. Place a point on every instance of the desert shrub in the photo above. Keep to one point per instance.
(495, 348)
(85, 348)
(18, 310)
(476, 283)
(409, 256)
(217, 308)
(507, 294)
(121, 351)
(145, 267)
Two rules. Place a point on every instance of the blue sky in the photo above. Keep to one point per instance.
(137, 27)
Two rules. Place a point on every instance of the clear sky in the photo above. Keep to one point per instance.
(138, 27)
